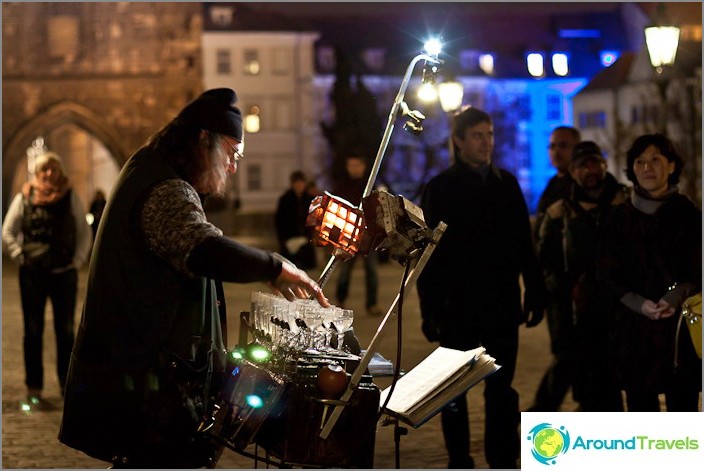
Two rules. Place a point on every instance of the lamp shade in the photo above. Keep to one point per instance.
(337, 222)
(450, 94)
(662, 44)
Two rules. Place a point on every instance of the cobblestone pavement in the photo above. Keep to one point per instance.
(29, 439)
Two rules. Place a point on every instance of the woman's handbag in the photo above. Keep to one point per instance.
(692, 315)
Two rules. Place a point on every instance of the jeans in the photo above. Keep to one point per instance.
(370, 272)
(35, 287)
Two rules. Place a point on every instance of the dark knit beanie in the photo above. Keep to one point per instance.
(214, 111)
(586, 150)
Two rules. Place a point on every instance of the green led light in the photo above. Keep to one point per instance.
(254, 401)
(258, 353)
(26, 407)
(237, 355)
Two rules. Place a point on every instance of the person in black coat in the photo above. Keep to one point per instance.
(650, 261)
(469, 291)
(290, 221)
(562, 142)
(150, 352)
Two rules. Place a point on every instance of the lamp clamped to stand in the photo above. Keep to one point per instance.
(381, 220)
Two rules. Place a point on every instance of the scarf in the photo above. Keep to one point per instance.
(43, 193)
(645, 204)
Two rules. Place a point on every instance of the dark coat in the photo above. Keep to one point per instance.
(149, 344)
(290, 221)
(645, 254)
(471, 281)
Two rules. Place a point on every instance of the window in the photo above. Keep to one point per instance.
(254, 177)
(282, 62)
(326, 59)
(251, 120)
(63, 37)
(221, 16)
(373, 58)
(224, 65)
(251, 62)
(593, 119)
(283, 114)
(553, 107)
(469, 60)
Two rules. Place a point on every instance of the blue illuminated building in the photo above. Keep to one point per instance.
(377, 41)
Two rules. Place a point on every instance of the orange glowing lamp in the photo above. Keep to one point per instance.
(337, 222)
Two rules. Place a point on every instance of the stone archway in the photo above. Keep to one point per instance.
(61, 120)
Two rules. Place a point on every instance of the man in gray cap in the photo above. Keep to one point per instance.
(567, 242)
(149, 355)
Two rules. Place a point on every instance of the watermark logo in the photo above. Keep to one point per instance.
(548, 442)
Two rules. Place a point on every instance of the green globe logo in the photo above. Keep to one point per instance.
(548, 442)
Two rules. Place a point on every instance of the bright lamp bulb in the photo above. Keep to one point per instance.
(427, 92)
(433, 46)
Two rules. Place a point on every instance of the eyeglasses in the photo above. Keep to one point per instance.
(236, 154)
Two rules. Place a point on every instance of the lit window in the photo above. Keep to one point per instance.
(251, 62)
(251, 120)
(535, 64)
(560, 64)
(224, 65)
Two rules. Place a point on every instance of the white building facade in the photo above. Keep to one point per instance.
(272, 73)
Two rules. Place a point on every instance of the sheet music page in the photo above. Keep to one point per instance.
(427, 375)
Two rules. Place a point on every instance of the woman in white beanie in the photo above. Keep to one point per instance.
(45, 230)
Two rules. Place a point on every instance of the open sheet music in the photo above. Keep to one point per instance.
(435, 381)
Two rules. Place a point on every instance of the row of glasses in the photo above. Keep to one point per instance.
(297, 325)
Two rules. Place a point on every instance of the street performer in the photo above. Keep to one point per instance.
(150, 351)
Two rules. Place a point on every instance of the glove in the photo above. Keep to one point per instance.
(430, 330)
(533, 307)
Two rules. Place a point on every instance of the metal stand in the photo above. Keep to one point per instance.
(332, 263)
(372, 348)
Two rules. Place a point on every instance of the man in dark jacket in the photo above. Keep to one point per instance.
(290, 222)
(469, 291)
(562, 141)
(351, 188)
(567, 245)
(150, 350)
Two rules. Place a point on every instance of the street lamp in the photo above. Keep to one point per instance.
(450, 94)
(661, 40)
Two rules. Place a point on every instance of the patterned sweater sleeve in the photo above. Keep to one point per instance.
(173, 222)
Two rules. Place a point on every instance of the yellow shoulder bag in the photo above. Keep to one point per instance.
(691, 315)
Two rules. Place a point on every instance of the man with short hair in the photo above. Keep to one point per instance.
(567, 245)
(469, 291)
(290, 223)
(562, 140)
